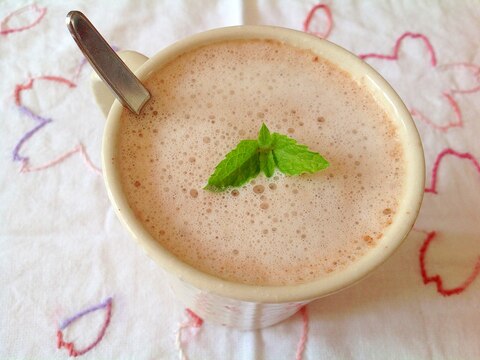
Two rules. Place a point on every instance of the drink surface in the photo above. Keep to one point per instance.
(276, 231)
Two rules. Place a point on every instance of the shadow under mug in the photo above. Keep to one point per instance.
(247, 306)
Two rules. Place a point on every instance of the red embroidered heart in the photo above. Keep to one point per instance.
(70, 346)
(438, 279)
(456, 244)
(313, 19)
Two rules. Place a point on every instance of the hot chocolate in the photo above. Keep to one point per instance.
(276, 231)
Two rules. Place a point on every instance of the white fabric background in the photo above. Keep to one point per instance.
(62, 248)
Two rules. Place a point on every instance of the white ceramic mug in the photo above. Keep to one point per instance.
(248, 306)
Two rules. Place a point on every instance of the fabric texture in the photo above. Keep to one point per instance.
(74, 283)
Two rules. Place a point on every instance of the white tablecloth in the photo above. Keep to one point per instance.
(63, 253)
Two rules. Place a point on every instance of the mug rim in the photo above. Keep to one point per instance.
(325, 285)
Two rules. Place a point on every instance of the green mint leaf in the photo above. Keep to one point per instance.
(240, 165)
(292, 158)
(280, 141)
(264, 137)
(267, 163)
(264, 154)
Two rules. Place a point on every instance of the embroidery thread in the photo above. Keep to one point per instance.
(447, 95)
(304, 336)
(5, 29)
(310, 16)
(42, 122)
(436, 166)
(70, 346)
(437, 279)
(193, 322)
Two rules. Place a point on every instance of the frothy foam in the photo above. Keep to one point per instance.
(282, 230)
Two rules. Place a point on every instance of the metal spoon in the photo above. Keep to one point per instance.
(111, 69)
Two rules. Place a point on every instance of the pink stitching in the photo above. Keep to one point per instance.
(438, 160)
(310, 15)
(41, 122)
(475, 71)
(70, 346)
(458, 122)
(448, 95)
(28, 86)
(4, 30)
(396, 49)
(80, 148)
(193, 322)
(303, 338)
(437, 279)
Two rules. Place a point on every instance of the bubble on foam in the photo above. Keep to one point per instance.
(204, 119)
(258, 189)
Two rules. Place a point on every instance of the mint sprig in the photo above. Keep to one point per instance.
(264, 154)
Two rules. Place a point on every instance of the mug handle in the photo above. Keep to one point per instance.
(101, 92)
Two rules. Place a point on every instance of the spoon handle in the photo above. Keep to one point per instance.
(111, 69)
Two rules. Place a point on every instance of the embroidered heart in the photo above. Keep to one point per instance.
(42, 121)
(70, 346)
(25, 18)
(441, 81)
(314, 21)
(438, 279)
(451, 245)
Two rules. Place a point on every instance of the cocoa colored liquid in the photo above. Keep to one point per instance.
(276, 231)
